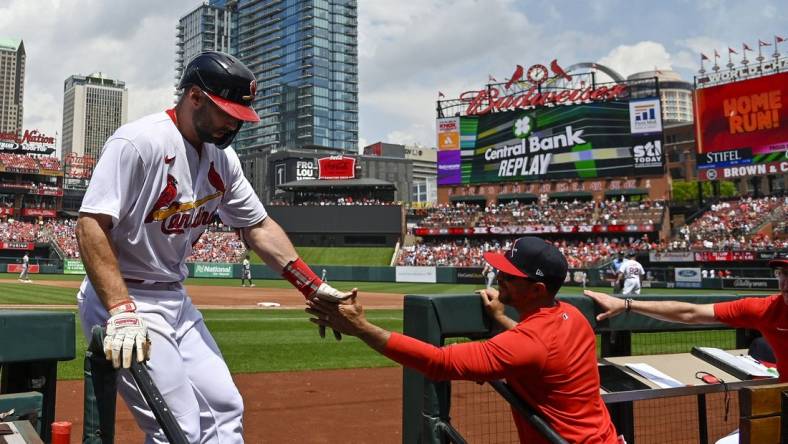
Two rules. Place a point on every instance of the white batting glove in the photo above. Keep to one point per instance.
(126, 331)
(331, 294)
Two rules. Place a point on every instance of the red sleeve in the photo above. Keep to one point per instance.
(742, 313)
(510, 352)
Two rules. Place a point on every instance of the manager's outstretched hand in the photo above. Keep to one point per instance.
(346, 317)
(330, 294)
(610, 305)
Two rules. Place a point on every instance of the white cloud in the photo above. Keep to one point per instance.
(642, 56)
(129, 41)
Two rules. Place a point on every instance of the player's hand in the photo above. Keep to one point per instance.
(328, 293)
(347, 317)
(610, 305)
(126, 332)
(492, 305)
(331, 294)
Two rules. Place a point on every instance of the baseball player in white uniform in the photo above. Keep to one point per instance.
(23, 276)
(631, 271)
(246, 272)
(158, 183)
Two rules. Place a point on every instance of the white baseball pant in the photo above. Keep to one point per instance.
(185, 364)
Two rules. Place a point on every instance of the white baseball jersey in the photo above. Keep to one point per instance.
(161, 194)
(631, 269)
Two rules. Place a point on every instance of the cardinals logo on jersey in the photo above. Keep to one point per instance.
(176, 216)
(166, 198)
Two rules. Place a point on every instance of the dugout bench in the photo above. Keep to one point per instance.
(31, 344)
(433, 319)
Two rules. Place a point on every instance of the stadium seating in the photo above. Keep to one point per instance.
(730, 225)
(215, 245)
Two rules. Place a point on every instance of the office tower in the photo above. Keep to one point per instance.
(93, 108)
(304, 54)
(12, 84)
(207, 28)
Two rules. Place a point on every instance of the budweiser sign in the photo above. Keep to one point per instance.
(497, 99)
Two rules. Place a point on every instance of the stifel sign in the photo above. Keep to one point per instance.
(493, 99)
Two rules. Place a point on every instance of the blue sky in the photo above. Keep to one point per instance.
(408, 49)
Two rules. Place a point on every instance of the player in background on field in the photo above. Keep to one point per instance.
(548, 357)
(489, 274)
(23, 276)
(246, 272)
(630, 273)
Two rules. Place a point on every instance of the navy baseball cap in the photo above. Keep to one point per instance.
(532, 258)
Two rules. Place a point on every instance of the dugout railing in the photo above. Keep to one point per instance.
(428, 405)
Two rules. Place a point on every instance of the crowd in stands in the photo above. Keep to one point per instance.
(17, 231)
(50, 163)
(22, 161)
(469, 252)
(729, 225)
(215, 245)
(218, 246)
(334, 201)
(450, 215)
(543, 212)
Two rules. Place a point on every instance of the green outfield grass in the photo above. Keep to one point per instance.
(366, 256)
(273, 340)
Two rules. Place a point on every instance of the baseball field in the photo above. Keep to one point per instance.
(296, 386)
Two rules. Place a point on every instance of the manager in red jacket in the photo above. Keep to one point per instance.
(548, 358)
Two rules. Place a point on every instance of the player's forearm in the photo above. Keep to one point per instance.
(506, 322)
(374, 336)
(101, 264)
(675, 311)
(271, 243)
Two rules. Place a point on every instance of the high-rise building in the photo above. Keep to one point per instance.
(304, 54)
(207, 28)
(93, 108)
(675, 94)
(12, 84)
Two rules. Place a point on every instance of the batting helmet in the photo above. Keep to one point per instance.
(227, 82)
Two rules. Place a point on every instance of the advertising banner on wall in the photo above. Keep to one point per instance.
(741, 128)
(337, 167)
(416, 274)
(213, 270)
(17, 268)
(569, 142)
(470, 275)
(671, 256)
(687, 277)
(447, 133)
(725, 256)
(750, 284)
(17, 246)
(73, 266)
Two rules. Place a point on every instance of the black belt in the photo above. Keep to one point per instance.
(152, 285)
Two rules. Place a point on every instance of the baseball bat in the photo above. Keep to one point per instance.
(163, 414)
(141, 375)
